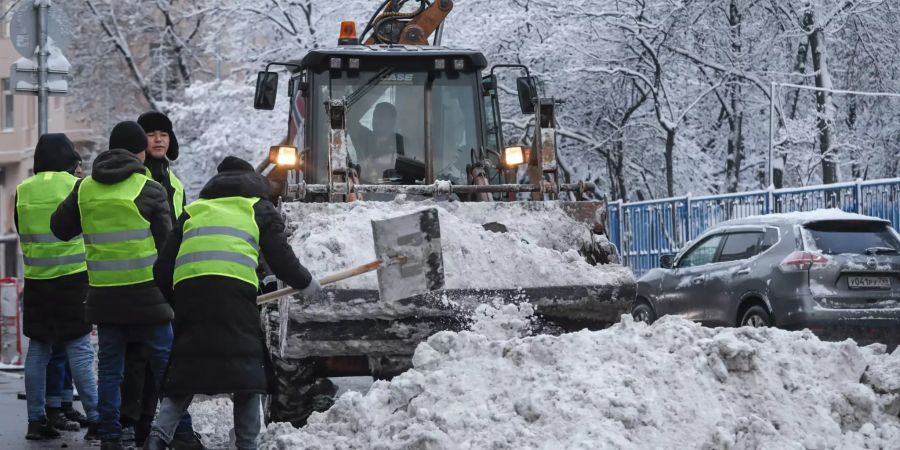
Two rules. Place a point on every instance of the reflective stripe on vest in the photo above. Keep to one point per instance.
(44, 256)
(119, 247)
(178, 197)
(220, 238)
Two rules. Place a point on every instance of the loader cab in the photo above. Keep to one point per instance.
(395, 115)
(412, 115)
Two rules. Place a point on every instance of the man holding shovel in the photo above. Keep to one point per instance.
(208, 271)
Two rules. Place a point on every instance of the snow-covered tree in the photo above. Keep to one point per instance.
(661, 97)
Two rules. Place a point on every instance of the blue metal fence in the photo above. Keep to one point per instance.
(643, 231)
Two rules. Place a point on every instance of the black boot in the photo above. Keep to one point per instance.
(93, 432)
(128, 433)
(154, 442)
(60, 421)
(142, 430)
(111, 445)
(186, 441)
(74, 415)
(41, 431)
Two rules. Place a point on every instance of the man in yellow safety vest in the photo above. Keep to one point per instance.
(209, 271)
(139, 393)
(124, 219)
(55, 289)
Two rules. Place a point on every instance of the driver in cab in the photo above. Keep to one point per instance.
(378, 148)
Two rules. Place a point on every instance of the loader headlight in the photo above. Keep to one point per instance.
(284, 156)
(513, 156)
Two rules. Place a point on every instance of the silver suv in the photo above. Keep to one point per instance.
(835, 273)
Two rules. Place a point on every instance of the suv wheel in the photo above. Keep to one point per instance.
(756, 316)
(642, 312)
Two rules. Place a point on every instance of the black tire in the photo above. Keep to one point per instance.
(642, 312)
(756, 316)
(300, 391)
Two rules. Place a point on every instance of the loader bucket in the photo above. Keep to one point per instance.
(492, 253)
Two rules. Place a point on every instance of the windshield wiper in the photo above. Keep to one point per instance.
(361, 91)
(881, 251)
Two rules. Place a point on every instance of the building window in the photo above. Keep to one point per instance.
(9, 121)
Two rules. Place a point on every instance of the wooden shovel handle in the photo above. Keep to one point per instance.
(333, 278)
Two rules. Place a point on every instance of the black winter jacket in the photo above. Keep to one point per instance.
(53, 310)
(219, 343)
(159, 170)
(138, 304)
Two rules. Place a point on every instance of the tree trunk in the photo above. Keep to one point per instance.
(852, 107)
(615, 164)
(799, 67)
(824, 104)
(735, 150)
(670, 162)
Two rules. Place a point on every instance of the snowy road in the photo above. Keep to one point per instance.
(14, 419)
(13, 416)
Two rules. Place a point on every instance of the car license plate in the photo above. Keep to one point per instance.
(869, 282)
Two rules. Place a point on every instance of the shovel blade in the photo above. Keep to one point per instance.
(416, 236)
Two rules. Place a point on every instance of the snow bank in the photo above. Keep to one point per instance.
(672, 385)
(214, 420)
(540, 248)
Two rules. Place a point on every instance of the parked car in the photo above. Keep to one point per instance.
(835, 273)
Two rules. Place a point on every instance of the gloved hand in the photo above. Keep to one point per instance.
(313, 291)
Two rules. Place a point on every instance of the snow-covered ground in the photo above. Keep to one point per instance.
(671, 385)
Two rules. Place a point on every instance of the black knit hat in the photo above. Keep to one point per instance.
(156, 121)
(234, 164)
(128, 136)
(54, 152)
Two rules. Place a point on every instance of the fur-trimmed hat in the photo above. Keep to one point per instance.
(156, 121)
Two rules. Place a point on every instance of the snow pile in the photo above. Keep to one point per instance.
(539, 248)
(214, 420)
(672, 385)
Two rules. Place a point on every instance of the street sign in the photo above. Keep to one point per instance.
(40, 32)
(25, 80)
(23, 27)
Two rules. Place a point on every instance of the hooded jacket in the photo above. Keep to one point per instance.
(141, 303)
(219, 343)
(53, 310)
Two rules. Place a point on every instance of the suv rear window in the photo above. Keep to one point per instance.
(854, 237)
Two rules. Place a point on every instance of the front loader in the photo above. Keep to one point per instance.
(386, 121)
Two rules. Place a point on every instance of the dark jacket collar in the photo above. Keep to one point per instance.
(159, 167)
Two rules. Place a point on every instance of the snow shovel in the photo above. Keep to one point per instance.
(410, 261)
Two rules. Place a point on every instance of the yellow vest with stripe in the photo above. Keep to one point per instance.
(45, 256)
(220, 238)
(119, 246)
(178, 197)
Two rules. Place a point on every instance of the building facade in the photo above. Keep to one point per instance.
(18, 136)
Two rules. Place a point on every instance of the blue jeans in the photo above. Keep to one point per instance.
(113, 339)
(59, 379)
(81, 359)
(246, 410)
